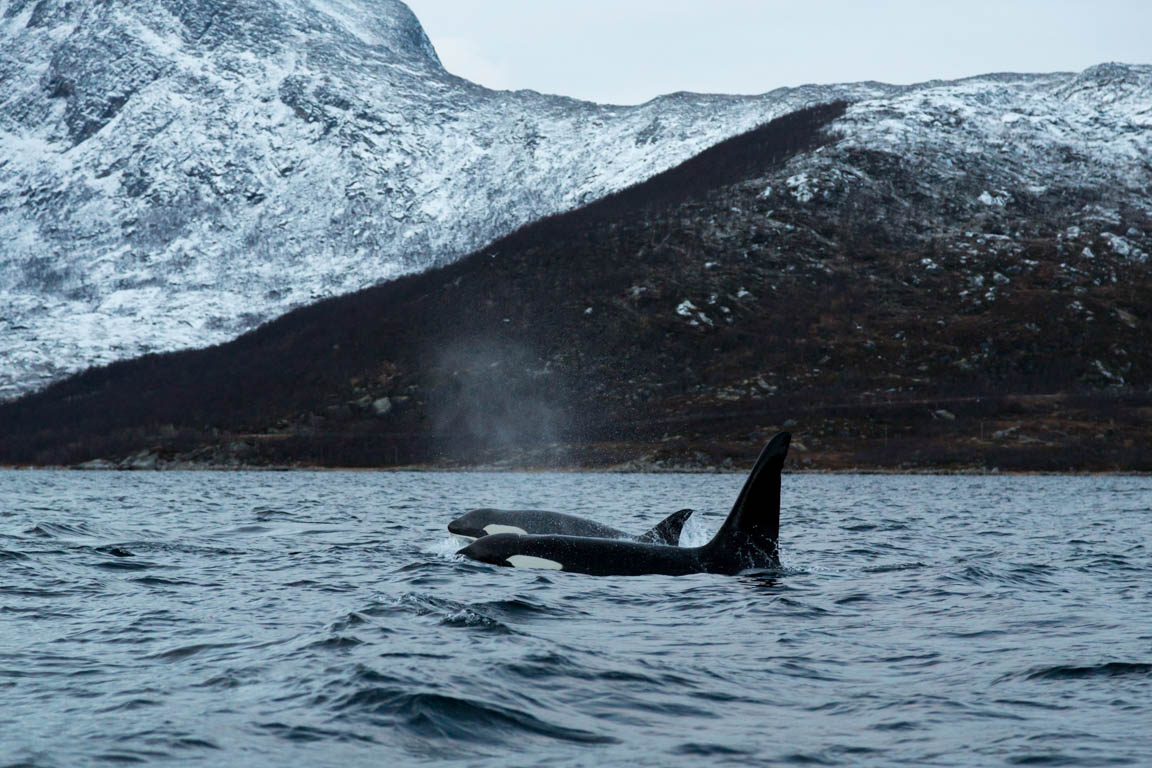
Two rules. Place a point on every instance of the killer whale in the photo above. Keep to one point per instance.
(484, 522)
(749, 538)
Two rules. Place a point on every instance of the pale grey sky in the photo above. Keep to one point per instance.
(628, 51)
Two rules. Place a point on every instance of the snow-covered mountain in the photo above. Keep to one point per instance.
(1016, 148)
(173, 172)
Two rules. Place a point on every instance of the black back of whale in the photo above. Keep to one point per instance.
(749, 537)
(541, 521)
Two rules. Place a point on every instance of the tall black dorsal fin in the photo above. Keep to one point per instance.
(756, 513)
(667, 531)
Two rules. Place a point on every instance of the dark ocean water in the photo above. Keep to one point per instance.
(320, 619)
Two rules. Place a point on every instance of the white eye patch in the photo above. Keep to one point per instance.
(494, 528)
(527, 561)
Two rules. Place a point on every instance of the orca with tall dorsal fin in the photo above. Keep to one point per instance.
(749, 538)
(485, 522)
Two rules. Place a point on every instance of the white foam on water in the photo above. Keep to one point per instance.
(698, 530)
(448, 546)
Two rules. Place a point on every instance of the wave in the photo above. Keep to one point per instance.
(1108, 669)
(449, 612)
(442, 716)
(59, 530)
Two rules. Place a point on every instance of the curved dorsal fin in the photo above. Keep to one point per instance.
(756, 513)
(667, 531)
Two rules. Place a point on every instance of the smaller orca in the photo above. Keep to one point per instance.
(485, 522)
(748, 538)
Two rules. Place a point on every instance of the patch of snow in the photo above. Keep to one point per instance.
(999, 200)
(1103, 371)
(696, 318)
(802, 187)
(1121, 247)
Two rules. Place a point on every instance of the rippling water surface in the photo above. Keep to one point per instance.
(321, 619)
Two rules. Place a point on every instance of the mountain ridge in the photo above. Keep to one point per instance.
(677, 323)
(174, 173)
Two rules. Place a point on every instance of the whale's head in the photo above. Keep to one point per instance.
(470, 525)
(508, 549)
(482, 522)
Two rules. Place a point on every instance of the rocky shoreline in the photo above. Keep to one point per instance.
(638, 468)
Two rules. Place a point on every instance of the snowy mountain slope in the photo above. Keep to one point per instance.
(173, 173)
(1021, 143)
